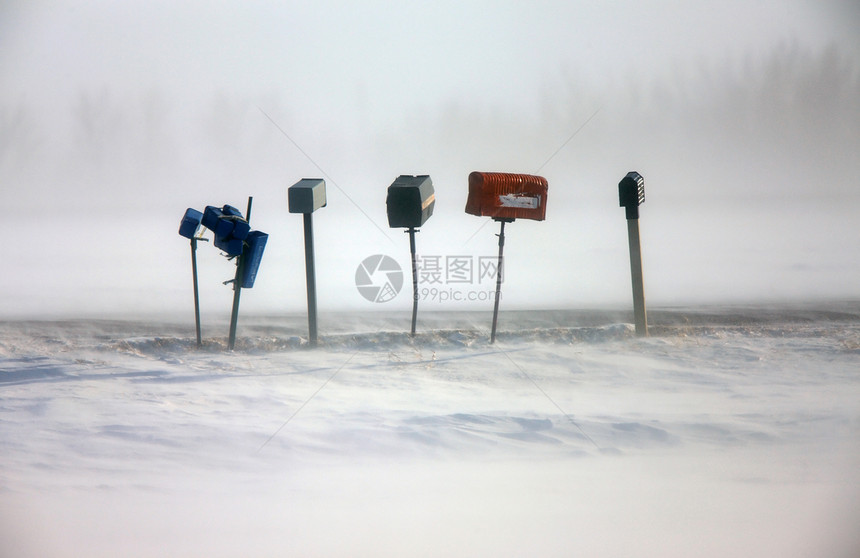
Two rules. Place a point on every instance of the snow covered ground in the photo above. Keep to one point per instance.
(728, 432)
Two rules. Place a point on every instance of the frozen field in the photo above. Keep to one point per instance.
(729, 432)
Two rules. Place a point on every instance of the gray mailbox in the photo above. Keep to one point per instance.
(307, 195)
(410, 201)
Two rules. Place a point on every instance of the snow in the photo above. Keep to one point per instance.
(728, 432)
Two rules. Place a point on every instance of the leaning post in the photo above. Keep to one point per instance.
(237, 285)
(189, 227)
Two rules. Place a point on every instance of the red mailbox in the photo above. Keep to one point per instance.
(502, 195)
(505, 197)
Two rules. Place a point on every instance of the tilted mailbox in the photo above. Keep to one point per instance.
(410, 203)
(506, 197)
(631, 194)
(255, 244)
(215, 220)
(190, 223)
(233, 236)
(306, 196)
(229, 228)
(503, 195)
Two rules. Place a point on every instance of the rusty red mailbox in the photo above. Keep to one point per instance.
(502, 195)
(506, 197)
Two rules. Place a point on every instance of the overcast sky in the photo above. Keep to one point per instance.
(116, 116)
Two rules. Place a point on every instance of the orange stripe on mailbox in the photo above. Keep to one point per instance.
(502, 195)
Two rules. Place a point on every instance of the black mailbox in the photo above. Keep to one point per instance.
(631, 193)
(307, 195)
(410, 201)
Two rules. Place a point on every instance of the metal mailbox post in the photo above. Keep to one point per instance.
(631, 194)
(306, 196)
(188, 227)
(410, 203)
(506, 197)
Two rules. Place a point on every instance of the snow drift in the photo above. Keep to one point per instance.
(727, 432)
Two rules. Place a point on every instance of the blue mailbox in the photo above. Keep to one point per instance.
(240, 229)
(229, 227)
(230, 246)
(256, 244)
(214, 220)
(190, 223)
(231, 211)
(233, 236)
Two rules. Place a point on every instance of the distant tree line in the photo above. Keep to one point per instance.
(793, 99)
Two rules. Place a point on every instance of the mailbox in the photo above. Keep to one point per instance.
(233, 235)
(230, 211)
(410, 201)
(210, 217)
(229, 227)
(307, 195)
(228, 245)
(507, 196)
(190, 223)
(213, 219)
(631, 193)
(256, 244)
(241, 228)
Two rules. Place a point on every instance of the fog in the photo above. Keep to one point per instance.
(115, 117)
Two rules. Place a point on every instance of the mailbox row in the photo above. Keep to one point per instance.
(410, 201)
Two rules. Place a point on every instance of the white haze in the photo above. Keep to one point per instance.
(115, 117)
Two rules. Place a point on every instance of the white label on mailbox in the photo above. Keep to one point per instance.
(519, 201)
